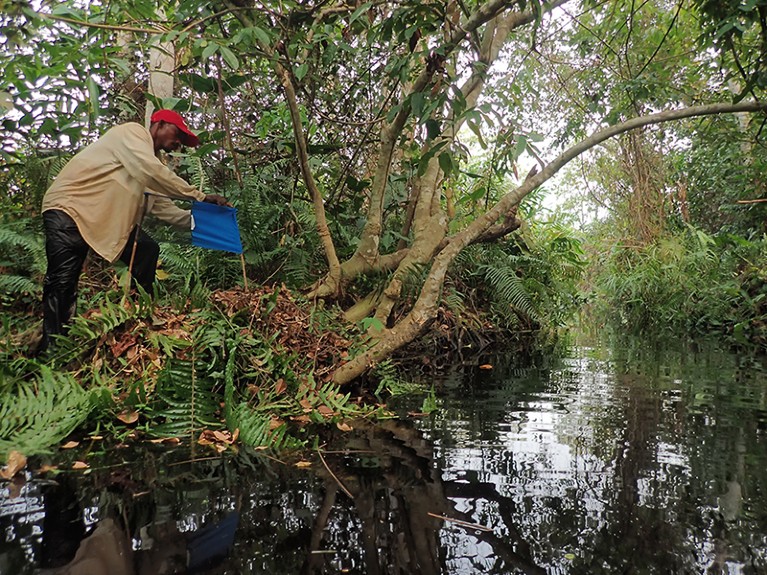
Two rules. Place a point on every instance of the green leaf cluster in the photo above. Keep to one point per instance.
(37, 413)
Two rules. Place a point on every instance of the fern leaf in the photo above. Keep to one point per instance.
(184, 399)
(42, 413)
(11, 285)
(509, 288)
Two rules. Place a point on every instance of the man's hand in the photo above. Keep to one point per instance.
(216, 199)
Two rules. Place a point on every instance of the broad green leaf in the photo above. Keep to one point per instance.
(433, 129)
(446, 163)
(261, 35)
(423, 163)
(198, 83)
(301, 71)
(49, 127)
(416, 103)
(230, 58)
(520, 146)
(232, 82)
(66, 10)
(372, 324)
(93, 97)
(362, 9)
(392, 113)
(474, 127)
(209, 50)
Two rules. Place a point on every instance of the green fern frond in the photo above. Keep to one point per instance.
(254, 427)
(185, 400)
(454, 301)
(412, 279)
(297, 269)
(255, 430)
(11, 285)
(178, 260)
(10, 236)
(109, 316)
(199, 178)
(46, 167)
(509, 289)
(24, 249)
(39, 414)
(390, 380)
(253, 421)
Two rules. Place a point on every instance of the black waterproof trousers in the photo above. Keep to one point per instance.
(66, 250)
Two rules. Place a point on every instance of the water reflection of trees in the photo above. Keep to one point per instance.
(621, 464)
(375, 503)
(628, 471)
(403, 504)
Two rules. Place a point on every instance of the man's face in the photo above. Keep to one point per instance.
(167, 137)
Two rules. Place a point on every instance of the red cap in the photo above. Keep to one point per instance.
(187, 137)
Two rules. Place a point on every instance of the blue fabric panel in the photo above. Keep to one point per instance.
(212, 542)
(215, 227)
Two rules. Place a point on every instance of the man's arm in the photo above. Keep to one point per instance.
(135, 152)
(164, 209)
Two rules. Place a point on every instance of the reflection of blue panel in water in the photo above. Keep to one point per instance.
(212, 541)
(215, 227)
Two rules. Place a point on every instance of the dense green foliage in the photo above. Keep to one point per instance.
(171, 372)
(688, 282)
(669, 245)
(675, 238)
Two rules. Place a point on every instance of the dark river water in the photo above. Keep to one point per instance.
(617, 457)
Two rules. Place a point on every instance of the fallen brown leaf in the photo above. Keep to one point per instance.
(306, 405)
(206, 438)
(70, 444)
(325, 411)
(223, 436)
(126, 340)
(344, 427)
(274, 423)
(80, 465)
(280, 387)
(128, 417)
(16, 462)
(166, 441)
(485, 366)
(302, 464)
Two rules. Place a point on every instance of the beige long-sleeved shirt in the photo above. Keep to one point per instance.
(102, 188)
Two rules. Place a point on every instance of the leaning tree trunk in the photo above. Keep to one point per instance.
(430, 221)
(428, 218)
(424, 310)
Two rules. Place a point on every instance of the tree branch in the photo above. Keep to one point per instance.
(425, 309)
(333, 281)
(368, 246)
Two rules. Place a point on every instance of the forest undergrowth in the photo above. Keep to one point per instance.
(213, 366)
(201, 360)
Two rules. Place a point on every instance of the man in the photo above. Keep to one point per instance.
(97, 202)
